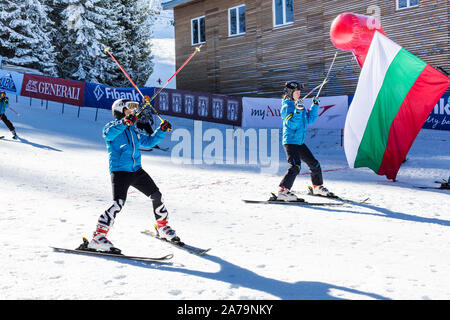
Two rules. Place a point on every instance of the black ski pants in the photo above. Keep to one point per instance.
(295, 155)
(7, 122)
(123, 180)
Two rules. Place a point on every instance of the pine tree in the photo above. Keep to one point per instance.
(83, 52)
(58, 32)
(118, 44)
(41, 26)
(140, 32)
(24, 35)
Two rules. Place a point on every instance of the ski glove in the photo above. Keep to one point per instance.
(146, 103)
(129, 120)
(166, 126)
(315, 101)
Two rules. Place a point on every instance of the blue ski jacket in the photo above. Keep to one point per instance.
(123, 142)
(3, 105)
(295, 121)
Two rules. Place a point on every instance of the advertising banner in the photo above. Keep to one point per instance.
(265, 112)
(439, 118)
(53, 89)
(11, 81)
(200, 106)
(102, 96)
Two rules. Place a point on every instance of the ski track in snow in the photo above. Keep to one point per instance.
(55, 184)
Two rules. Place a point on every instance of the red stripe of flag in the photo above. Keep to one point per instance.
(419, 102)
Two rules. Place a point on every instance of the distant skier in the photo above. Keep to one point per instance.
(295, 119)
(4, 104)
(123, 140)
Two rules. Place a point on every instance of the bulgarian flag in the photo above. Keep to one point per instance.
(395, 94)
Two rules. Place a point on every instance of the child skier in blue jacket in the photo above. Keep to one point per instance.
(295, 120)
(4, 104)
(123, 140)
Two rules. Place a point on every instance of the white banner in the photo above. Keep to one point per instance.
(265, 112)
(11, 81)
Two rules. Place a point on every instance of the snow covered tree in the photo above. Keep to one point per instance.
(140, 33)
(24, 35)
(37, 13)
(88, 25)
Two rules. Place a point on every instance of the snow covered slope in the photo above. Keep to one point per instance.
(54, 184)
(163, 51)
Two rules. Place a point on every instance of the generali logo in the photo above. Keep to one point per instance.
(53, 89)
(31, 86)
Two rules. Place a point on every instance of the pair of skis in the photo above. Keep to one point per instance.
(85, 250)
(302, 202)
(16, 138)
(444, 185)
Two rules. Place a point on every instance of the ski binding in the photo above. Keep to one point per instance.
(273, 200)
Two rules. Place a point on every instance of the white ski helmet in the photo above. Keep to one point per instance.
(117, 108)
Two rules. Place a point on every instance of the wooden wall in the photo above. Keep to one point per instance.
(259, 62)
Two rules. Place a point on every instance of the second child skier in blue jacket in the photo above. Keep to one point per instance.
(123, 140)
(295, 120)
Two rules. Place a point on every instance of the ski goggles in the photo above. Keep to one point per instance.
(131, 105)
(2, 94)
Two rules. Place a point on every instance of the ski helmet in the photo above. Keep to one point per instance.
(117, 108)
(290, 87)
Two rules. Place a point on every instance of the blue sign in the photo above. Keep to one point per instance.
(11, 81)
(102, 96)
(439, 118)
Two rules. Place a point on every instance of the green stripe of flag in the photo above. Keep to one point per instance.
(400, 76)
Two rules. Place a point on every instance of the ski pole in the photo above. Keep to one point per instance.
(312, 90)
(126, 75)
(197, 49)
(328, 74)
(14, 111)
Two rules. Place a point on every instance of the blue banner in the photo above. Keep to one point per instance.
(439, 118)
(102, 96)
(11, 81)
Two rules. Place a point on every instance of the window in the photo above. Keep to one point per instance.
(198, 30)
(236, 20)
(283, 12)
(403, 4)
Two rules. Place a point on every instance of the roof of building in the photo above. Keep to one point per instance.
(174, 3)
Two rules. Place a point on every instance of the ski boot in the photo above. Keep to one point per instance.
(322, 191)
(284, 194)
(14, 134)
(165, 232)
(99, 241)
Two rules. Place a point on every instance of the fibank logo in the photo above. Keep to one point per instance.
(7, 83)
(98, 93)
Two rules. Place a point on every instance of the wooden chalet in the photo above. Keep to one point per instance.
(251, 48)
